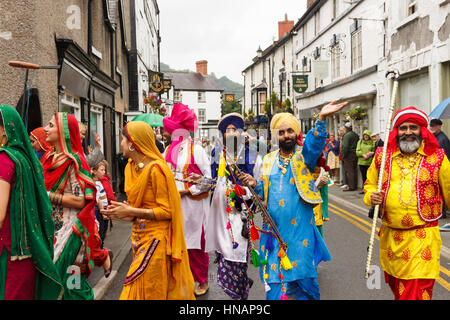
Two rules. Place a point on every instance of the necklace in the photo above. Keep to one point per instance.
(286, 161)
(140, 165)
(404, 171)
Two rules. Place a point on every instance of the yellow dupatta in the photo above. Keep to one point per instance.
(143, 138)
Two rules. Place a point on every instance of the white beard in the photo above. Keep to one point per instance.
(409, 147)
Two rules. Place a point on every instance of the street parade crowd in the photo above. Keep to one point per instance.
(184, 203)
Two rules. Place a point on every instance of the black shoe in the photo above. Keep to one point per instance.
(250, 283)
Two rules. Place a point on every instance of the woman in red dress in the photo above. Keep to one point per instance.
(26, 226)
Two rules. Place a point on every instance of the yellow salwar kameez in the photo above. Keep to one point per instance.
(160, 268)
(406, 250)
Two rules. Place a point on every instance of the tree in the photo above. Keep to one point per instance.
(231, 106)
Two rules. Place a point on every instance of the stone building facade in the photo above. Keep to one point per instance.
(90, 41)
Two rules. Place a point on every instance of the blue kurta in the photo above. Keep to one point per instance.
(294, 219)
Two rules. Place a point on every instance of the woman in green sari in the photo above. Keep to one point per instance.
(72, 194)
(26, 225)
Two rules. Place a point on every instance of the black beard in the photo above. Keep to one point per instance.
(287, 145)
(232, 144)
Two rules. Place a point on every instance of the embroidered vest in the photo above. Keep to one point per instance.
(191, 167)
(303, 178)
(429, 194)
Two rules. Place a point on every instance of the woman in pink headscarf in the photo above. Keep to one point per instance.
(185, 158)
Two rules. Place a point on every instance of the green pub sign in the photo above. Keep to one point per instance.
(300, 83)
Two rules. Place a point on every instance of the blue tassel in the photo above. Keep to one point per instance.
(235, 245)
(269, 242)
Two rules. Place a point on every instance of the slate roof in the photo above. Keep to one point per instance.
(192, 81)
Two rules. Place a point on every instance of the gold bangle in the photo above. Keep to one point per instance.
(52, 197)
(147, 214)
(60, 197)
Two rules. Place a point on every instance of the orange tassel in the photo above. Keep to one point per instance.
(281, 253)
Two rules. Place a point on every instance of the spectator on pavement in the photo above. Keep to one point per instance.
(349, 143)
(378, 142)
(332, 149)
(444, 142)
(365, 151)
(435, 128)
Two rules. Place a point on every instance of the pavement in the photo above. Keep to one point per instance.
(118, 240)
(354, 199)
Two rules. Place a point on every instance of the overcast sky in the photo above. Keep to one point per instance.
(227, 33)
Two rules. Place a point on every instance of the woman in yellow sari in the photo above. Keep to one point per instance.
(160, 268)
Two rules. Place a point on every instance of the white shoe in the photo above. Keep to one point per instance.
(344, 186)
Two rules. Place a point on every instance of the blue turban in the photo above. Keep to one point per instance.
(232, 118)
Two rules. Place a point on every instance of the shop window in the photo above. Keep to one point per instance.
(262, 102)
(415, 91)
(356, 51)
(96, 125)
(335, 64)
(70, 103)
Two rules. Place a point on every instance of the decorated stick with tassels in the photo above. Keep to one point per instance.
(395, 74)
(286, 264)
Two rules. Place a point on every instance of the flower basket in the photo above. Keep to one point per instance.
(155, 105)
(356, 114)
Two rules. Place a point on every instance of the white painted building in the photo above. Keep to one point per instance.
(200, 92)
(418, 35)
(144, 54)
(339, 49)
(270, 72)
(344, 48)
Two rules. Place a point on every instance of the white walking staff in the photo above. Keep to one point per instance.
(395, 75)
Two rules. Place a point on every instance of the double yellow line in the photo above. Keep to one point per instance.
(367, 227)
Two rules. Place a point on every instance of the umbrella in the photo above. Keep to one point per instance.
(441, 111)
(153, 119)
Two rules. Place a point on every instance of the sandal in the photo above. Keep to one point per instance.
(108, 272)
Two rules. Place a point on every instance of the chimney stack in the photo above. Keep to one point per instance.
(284, 26)
(202, 67)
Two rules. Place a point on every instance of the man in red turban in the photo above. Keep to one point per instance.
(416, 181)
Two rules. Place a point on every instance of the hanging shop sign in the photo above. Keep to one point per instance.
(300, 83)
(229, 97)
(320, 69)
(167, 84)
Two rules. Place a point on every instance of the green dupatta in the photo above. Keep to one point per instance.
(32, 226)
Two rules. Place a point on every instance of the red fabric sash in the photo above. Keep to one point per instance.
(193, 168)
